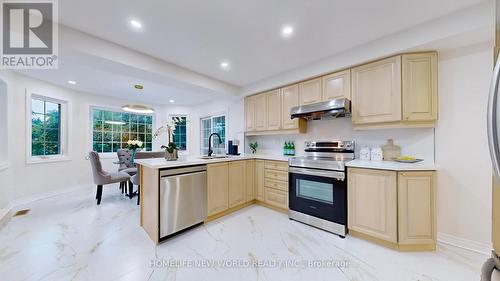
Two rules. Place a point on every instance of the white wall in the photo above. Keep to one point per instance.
(3, 122)
(417, 142)
(465, 174)
(25, 180)
(234, 111)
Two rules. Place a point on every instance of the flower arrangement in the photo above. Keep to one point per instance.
(134, 144)
(169, 128)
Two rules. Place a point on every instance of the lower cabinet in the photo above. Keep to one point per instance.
(259, 180)
(417, 207)
(250, 180)
(237, 182)
(397, 208)
(276, 184)
(218, 187)
(372, 203)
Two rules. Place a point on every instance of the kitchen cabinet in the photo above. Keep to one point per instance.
(396, 209)
(337, 85)
(419, 87)
(276, 198)
(250, 113)
(276, 184)
(310, 91)
(416, 207)
(259, 180)
(273, 110)
(250, 180)
(289, 99)
(376, 92)
(218, 187)
(372, 203)
(237, 182)
(260, 117)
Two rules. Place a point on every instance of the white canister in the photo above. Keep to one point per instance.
(376, 154)
(364, 153)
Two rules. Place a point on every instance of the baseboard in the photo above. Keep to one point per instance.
(466, 244)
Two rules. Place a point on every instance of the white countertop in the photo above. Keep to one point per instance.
(160, 163)
(392, 165)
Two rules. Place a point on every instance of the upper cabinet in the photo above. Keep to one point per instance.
(420, 87)
(250, 114)
(337, 85)
(289, 99)
(395, 92)
(269, 113)
(376, 92)
(310, 91)
(273, 103)
(260, 112)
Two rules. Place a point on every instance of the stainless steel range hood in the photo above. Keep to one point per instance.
(324, 110)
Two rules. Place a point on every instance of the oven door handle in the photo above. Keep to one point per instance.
(325, 174)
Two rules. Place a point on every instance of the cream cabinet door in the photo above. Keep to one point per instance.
(218, 187)
(417, 207)
(310, 91)
(337, 85)
(259, 180)
(237, 181)
(250, 114)
(250, 180)
(372, 203)
(260, 112)
(376, 92)
(289, 99)
(420, 87)
(273, 103)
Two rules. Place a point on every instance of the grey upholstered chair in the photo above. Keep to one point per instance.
(136, 179)
(102, 177)
(126, 165)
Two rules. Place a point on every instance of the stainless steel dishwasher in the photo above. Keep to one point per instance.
(183, 198)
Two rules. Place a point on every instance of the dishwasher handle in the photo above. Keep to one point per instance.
(183, 170)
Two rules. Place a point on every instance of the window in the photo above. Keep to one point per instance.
(180, 133)
(47, 129)
(113, 129)
(209, 125)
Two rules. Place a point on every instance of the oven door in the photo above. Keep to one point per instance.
(318, 193)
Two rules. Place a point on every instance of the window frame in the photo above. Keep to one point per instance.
(170, 116)
(112, 155)
(64, 129)
(223, 114)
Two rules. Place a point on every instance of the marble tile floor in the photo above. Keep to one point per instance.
(69, 237)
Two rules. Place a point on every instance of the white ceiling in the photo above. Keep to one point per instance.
(198, 34)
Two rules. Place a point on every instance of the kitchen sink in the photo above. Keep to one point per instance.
(214, 157)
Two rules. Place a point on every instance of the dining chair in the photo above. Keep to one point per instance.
(126, 165)
(102, 177)
(136, 179)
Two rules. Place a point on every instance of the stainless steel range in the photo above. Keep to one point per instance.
(318, 185)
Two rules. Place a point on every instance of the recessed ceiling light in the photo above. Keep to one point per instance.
(135, 108)
(71, 82)
(171, 101)
(225, 65)
(136, 23)
(287, 31)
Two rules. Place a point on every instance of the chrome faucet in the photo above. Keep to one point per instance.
(210, 151)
